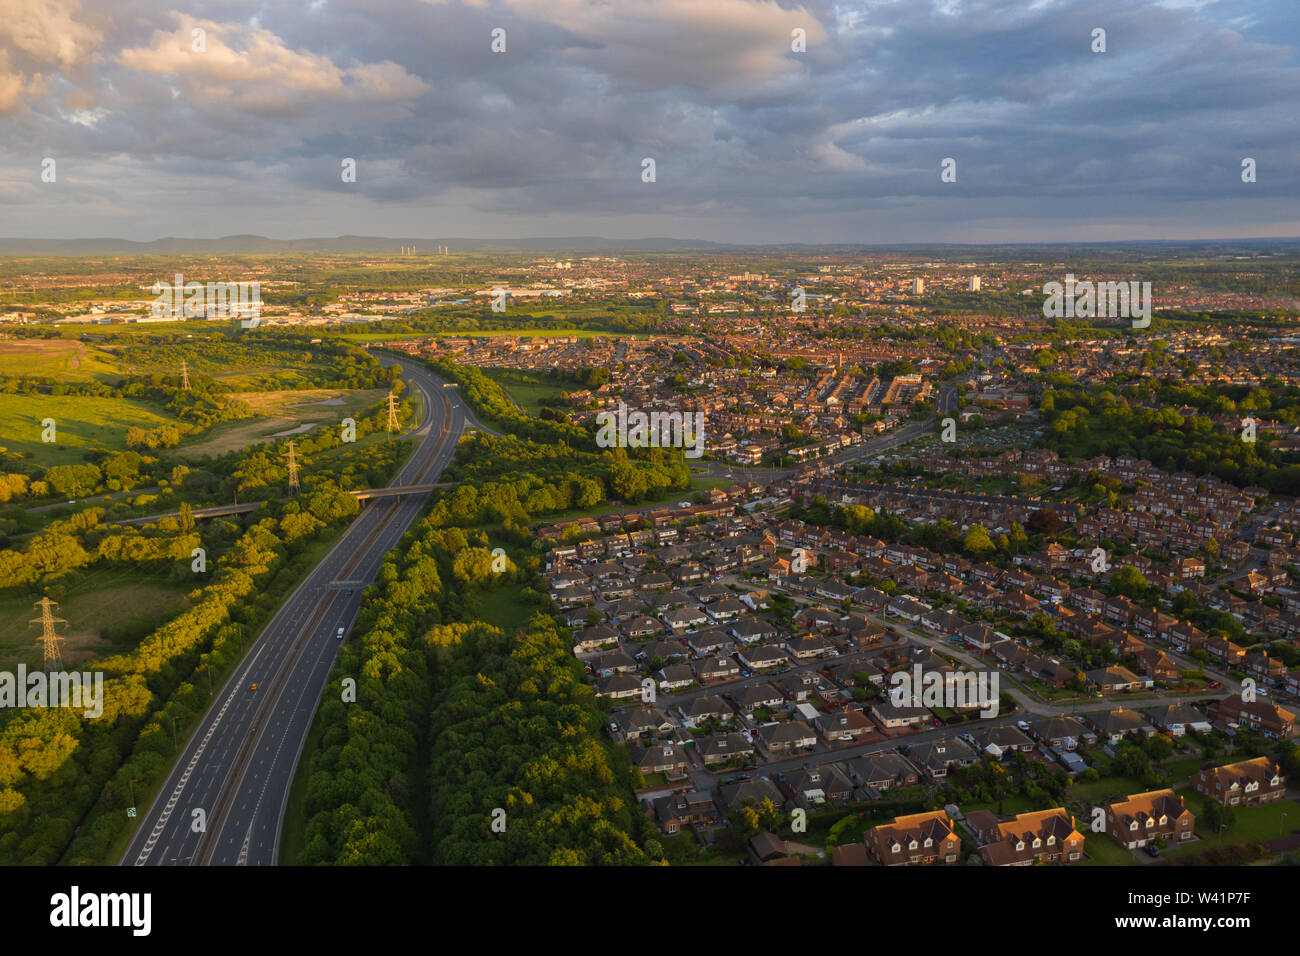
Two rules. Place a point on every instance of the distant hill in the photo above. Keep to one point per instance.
(260, 245)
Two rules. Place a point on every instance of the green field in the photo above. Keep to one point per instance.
(81, 424)
(528, 393)
(64, 360)
(100, 600)
(1252, 825)
(279, 413)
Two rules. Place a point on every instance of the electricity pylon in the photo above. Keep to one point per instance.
(293, 471)
(392, 414)
(185, 377)
(50, 641)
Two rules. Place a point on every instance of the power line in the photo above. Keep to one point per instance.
(293, 471)
(50, 641)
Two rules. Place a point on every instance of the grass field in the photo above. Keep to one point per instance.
(279, 414)
(1252, 825)
(81, 424)
(101, 599)
(64, 360)
(527, 394)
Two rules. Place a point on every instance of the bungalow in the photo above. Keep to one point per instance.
(808, 648)
(675, 677)
(676, 812)
(934, 757)
(706, 707)
(890, 716)
(725, 748)
(882, 771)
(751, 630)
(1113, 726)
(632, 723)
(679, 619)
(619, 687)
(1113, 678)
(908, 608)
(642, 627)
(762, 658)
(709, 641)
(1001, 742)
(716, 669)
(594, 638)
(667, 759)
(1063, 733)
(819, 787)
(793, 735)
(749, 793)
(759, 696)
(1177, 719)
(843, 726)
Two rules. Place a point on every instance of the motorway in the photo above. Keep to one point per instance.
(235, 772)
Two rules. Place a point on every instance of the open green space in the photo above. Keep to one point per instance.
(1250, 825)
(81, 423)
(528, 391)
(1098, 791)
(63, 360)
(281, 414)
(104, 601)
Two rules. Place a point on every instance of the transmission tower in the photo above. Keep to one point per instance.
(392, 414)
(185, 376)
(293, 471)
(49, 640)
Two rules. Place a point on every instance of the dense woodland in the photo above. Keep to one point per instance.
(455, 718)
(1143, 419)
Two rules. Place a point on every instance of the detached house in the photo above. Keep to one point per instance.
(917, 838)
(1249, 783)
(1139, 818)
(1041, 836)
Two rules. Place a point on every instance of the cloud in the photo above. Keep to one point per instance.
(752, 140)
(252, 70)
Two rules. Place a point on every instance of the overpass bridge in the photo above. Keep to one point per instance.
(366, 494)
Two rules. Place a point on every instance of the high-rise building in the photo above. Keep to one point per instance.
(918, 287)
(974, 283)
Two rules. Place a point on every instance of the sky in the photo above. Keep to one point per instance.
(206, 119)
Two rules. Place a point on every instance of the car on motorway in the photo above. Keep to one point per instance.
(340, 634)
(252, 686)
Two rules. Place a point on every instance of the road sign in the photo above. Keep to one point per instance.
(130, 811)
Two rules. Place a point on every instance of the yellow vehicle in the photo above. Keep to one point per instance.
(253, 687)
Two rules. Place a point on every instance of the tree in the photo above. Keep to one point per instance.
(977, 542)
